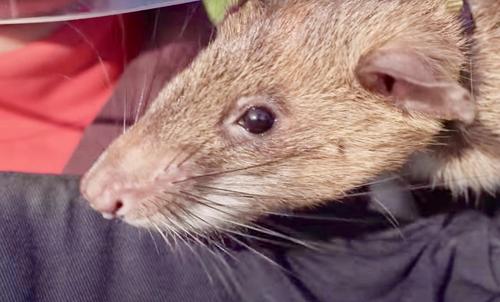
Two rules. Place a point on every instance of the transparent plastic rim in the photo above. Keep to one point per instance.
(82, 9)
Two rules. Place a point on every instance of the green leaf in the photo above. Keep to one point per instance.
(216, 9)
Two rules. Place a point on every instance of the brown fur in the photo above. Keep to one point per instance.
(331, 135)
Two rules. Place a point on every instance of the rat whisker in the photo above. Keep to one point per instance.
(249, 236)
(188, 19)
(172, 230)
(258, 228)
(261, 255)
(248, 194)
(221, 247)
(105, 72)
(264, 164)
(193, 153)
(248, 226)
(154, 33)
(268, 163)
(229, 270)
(238, 290)
(175, 235)
(235, 232)
(203, 245)
(304, 216)
(174, 158)
(125, 108)
(239, 193)
(176, 224)
(206, 237)
(153, 238)
(197, 255)
(166, 239)
(123, 40)
(161, 232)
(87, 41)
(437, 184)
(323, 218)
(182, 194)
(144, 97)
(268, 232)
(390, 217)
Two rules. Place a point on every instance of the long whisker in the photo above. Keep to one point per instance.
(228, 171)
(194, 199)
(322, 218)
(253, 195)
(213, 253)
(223, 229)
(240, 242)
(192, 153)
(390, 217)
(175, 235)
(105, 72)
(267, 163)
(183, 195)
(251, 227)
(161, 233)
(197, 256)
(174, 159)
(221, 258)
(125, 110)
(240, 193)
(153, 238)
(188, 19)
(433, 185)
(249, 236)
(87, 41)
(123, 40)
(142, 96)
(269, 260)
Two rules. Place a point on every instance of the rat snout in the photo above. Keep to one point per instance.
(105, 191)
(112, 197)
(128, 186)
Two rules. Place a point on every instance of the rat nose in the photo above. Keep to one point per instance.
(110, 200)
(110, 204)
(110, 208)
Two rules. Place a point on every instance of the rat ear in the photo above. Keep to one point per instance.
(409, 81)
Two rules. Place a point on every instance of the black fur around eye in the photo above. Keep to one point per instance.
(257, 120)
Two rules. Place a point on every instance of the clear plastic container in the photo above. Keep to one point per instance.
(39, 11)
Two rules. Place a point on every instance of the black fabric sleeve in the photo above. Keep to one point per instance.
(53, 247)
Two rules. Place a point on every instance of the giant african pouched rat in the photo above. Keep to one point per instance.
(297, 102)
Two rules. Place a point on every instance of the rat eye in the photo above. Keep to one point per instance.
(257, 120)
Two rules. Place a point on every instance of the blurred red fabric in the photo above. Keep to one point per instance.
(51, 90)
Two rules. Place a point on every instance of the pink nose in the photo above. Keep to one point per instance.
(110, 203)
(109, 208)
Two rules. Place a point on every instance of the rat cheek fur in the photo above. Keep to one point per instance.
(206, 208)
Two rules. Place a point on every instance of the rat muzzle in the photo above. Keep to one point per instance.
(128, 179)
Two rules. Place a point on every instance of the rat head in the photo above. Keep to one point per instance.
(293, 104)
